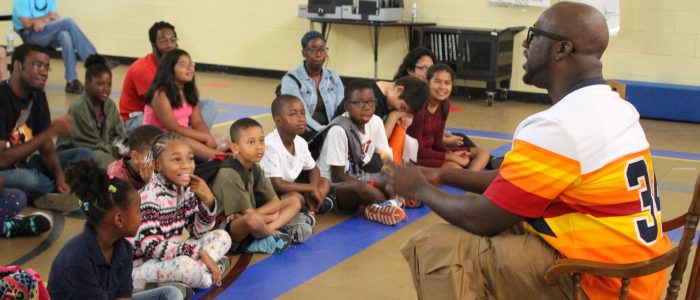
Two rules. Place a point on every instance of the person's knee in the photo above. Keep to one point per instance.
(222, 237)
(185, 263)
(253, 222)
(64, 39)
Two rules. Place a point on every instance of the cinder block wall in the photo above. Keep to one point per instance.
(659, 40)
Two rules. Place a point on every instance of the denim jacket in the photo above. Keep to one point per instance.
(331, 89)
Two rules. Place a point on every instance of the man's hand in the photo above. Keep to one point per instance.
(432, 175)
(61, 125)
(39, 25)
(403, 180)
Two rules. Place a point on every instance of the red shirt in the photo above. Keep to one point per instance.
(427, 128)
(136, 83)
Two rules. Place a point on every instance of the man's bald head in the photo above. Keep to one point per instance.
(583, 24)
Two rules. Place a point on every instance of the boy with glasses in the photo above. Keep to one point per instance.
(350, 157)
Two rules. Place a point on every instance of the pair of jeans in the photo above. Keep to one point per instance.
(66, 34)
(161, 293)
(33, 178)
(208, 108)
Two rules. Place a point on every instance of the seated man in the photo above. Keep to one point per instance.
(141, 74)
(579, 174)
(38, 22)
(25, 127)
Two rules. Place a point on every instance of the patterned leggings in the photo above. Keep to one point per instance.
(183, 268)
(12, 201)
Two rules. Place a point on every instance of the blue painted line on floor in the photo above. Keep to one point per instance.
(481, 133)
(676, 154)
(229, 111)
(502, 150)
(278, 274)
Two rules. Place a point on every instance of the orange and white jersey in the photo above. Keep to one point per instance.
(582, 176)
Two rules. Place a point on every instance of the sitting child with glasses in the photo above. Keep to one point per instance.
(350, 157)
(319, 88)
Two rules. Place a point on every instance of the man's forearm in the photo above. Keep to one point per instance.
(472, 181)
(49, 159)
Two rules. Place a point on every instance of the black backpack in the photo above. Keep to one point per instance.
(316, 143)
(208, 170)
(278, 89)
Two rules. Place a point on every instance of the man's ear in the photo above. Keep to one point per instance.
(17, 66)
(565, 49)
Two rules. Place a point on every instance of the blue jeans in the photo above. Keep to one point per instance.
(32, 177)
(208, 108)
(160, 293)
(63, 33)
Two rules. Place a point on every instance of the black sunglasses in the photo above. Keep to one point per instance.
(532, 32)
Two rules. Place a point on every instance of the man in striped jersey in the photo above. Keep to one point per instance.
(579, 178)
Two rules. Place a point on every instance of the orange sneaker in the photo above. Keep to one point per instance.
(385, 213)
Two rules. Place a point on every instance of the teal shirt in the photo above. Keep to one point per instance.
(30, 8)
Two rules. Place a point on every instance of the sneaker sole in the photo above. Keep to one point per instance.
(58, 202)
(186, 290)
(387, 215)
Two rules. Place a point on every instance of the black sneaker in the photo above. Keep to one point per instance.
(184, 289)
(326, 205)
(74, 87)
(33, 224)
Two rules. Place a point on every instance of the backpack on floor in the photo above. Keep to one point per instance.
(278, 89)
(16, 283)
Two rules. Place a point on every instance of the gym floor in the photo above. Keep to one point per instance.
(349, 257)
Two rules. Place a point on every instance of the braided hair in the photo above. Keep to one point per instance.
(98, 194)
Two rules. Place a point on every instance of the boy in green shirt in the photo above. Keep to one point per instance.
(248, 201)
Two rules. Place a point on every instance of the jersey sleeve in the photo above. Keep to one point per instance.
(541, 165)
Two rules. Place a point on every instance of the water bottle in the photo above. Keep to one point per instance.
(10, 43)
(414, 12)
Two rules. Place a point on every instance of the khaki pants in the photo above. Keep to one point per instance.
(448, 262)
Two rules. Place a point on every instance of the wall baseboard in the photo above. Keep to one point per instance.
(469, 92)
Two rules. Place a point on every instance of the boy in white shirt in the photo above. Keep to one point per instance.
(350, 157)
(287, 161)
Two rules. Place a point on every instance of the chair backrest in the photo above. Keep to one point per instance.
(684, 248)
(676, 257)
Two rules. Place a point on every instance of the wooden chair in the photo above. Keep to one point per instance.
(678, 257)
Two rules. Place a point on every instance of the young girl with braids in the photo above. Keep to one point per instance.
(173, 200)
(97, 264)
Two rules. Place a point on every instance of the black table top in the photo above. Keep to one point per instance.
(377, 23)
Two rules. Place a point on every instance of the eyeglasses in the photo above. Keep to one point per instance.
(40, 66)
(185, 65)
(361, 104)
(532, 32)
(172, 40)
(315, 51)
(422, 68)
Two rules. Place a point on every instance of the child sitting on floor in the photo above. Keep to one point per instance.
(247, 200)
(287, 161)
(172, 201)
(97, 264)
(96, 122)
(350, 156)
(134, 169)
(429, 125)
